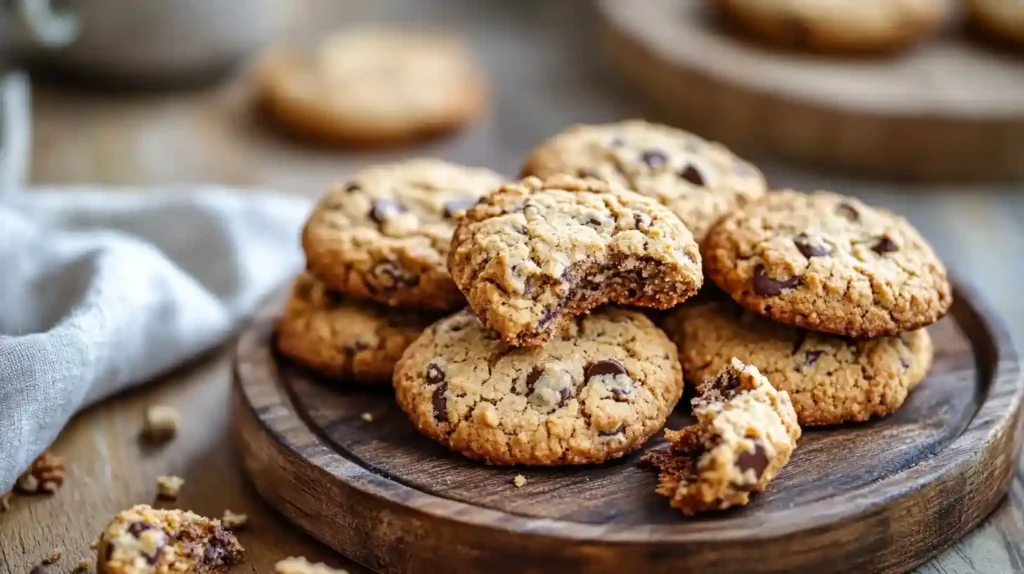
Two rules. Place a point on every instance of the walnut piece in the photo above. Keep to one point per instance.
(168, 487)
(519, 481)
(234, 521)
(161, 423)
(45, 476)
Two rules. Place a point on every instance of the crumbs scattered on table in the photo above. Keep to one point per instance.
(53, 557)
(45, 476)
(168, 487)
(234, 521)
(519, 481)
(161, 423)
(300, 565)
(368, 417)
(83, 565)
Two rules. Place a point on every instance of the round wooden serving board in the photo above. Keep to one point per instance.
(952, 107)
(876, 497)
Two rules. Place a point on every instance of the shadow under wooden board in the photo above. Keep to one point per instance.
(951, 108)
(877, 497)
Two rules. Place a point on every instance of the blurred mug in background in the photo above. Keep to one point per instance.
(152, 42)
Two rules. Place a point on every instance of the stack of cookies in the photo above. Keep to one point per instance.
(548, 362)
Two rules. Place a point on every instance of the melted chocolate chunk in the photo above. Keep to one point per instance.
(435, 374)
(811, 357)
(756, 460)
(440, 403)
(615, 431)
(810, 248)
(654, 158)
(532, 378)
(603, 367)
(768, 287)
(454, 206)
(137, 528)
(885, 245)
(642, 221)
(383, 209)
(692, 175)
(622, 394)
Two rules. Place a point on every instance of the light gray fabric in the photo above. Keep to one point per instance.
(102, 290)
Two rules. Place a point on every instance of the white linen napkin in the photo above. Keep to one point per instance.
(105, 289)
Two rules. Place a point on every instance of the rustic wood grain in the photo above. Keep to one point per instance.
(542, 59)
(951, 108)
(878, 497)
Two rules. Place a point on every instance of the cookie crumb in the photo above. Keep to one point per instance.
(368, 417)
(83, 565)
(234, 521)
(94, 544)
(53, 557)
(161, 423)
(299, 565)
(519, 481)
(5, 501)
(44, 476)
(168, 487)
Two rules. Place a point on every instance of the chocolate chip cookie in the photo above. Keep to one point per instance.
(697, 179)
(828, 263)
(745, 433)
(372, 87)
(830, 379)
(346, 338)
(846, 26)
(384, 234)
(534, 254)
(598, 390)
(144, 539)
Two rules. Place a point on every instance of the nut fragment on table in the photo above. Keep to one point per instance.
(53, 557)
(519, 481)
(299, 565)
(234, 521)
(168, 487)
(161, 423)
(44, 476)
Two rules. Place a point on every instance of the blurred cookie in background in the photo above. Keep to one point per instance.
(838, 26)
(372, 87)
(999, 20)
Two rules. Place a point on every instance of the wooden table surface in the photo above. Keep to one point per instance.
(540, 61)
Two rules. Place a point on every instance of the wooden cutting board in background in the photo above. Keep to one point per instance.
(952, 108)
(877, 497)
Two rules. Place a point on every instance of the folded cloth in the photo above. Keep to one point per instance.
(101, 290)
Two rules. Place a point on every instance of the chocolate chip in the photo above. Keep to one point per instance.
(531, 379)
(137, 528)
(440, 403)
(692, 175)
(595, 222)
(603, 367)
(654, 158)
(768, 287)
(848, 211)
(756, 460)
(904, 363)
(617, 430)
(885, 245)
(811, 357)
(564, 395)
(588, 173)
(351, 187)
(454, 206)
(383, 209)
(622, 394)
(728, 383)
(810, 248)
(435, 374)
(641, 220)
(389, 275)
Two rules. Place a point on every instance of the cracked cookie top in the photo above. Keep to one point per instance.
(349, 339)
(145, 539)
(745, 432)
(599, 389)
(534, 254)
(828, 263)
(697, 179)
(830, 379)
(384, 234)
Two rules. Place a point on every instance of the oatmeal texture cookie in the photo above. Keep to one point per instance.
(384, 235)
(838, 26)
(828, 263)
(346, 338)
(598, 390)
(744, 435)
(534, 254)
(830, 379)
(144, 540)
(372, 87)
(698, 180)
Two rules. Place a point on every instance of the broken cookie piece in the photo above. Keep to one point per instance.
(533, 255)
(44, 476)
(143, 539)
(744, 434)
